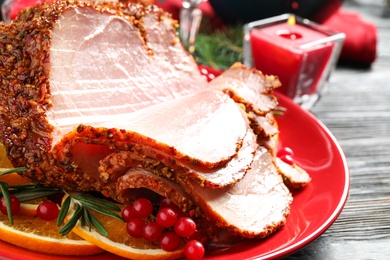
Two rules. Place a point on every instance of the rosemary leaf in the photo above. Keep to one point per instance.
(96, 223)
(100, 210)
(69, 225)
(86, 219)
(18, 187)
(35, 193)
(64, 211)
(7, 171)
(97, 202)
(4, 191)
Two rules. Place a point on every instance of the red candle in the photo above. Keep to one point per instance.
(279, 49)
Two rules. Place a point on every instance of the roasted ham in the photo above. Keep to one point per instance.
(103, 97)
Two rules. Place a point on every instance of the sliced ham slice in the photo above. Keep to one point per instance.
(138, 178)
(191, 127)
(116, 164)
(293, 175)
(114, 64)
(215, 145)
(249, 87)
(254, 207)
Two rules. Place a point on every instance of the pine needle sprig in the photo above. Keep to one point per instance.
(219, 48)
(85, 205)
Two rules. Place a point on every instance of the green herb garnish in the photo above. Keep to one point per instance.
(85, 205)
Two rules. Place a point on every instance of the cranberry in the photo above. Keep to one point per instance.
(196, 236)
(48, 210)
(167, 203)
(142, 208)
(152, 231)
(166, 217)
(185, 227)
(286, 155)
(194, 250)
(15, 205)
(127, 213)
(135, 227)
(170, 241)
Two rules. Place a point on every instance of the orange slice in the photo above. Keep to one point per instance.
(11, 178)
(43, 236)
(29, 208)
(120, 243)
(33, 233)
(4, 162)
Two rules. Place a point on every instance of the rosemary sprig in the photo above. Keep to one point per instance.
(5, 194)
(84, 207)
(11, 170)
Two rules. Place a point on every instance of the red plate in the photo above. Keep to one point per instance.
(313, 210)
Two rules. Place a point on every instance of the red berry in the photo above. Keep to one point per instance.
(167, 203)
(48, 210)
(194, 250)
(170, 241)
(285, 151)
(127, 213)
(15, 205)
(287, 155)
(287, 159)
(152, 231)
(185, 227)
(166, 217)
(142, 208)
(196, 236)
(135, 227)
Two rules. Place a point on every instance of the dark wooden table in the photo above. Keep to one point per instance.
(356, 109)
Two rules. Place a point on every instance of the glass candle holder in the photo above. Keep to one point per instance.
(300, 52)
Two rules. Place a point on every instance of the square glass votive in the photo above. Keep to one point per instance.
(300, 52)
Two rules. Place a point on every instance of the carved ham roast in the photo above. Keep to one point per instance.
(103, 97)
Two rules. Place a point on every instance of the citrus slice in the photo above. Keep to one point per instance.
(11, 178)
(4, 162)
(120, 243)
(29, 208)
(33, 233)
(43, 236)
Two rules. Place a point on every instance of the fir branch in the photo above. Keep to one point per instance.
(219, 48)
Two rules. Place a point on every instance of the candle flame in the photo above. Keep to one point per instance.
(291, 20)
